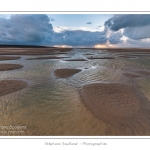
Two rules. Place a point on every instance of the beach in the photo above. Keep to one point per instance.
(75, 91)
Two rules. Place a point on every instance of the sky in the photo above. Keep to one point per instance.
(76, 30)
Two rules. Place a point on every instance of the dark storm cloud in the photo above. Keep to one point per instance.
(89, 23)
(80, 38)
(37, 30)
(25, 29)
(115, 38)
(137, 33)
(128, 20)
(135, 26)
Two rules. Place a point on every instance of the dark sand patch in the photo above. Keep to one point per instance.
(61, 53)
(9, 57)
(50, 57)
(64, 73)
(125, 56)
(9, 86)
(143, 72)
(131, 75)
(4, 67)
(88, 54)
(139, 55)
(75, 60)
(127, 49)
(136, 73)
(119, 105)
(100, 57)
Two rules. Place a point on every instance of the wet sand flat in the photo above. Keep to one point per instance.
(126, 49)
(65, 72)
(9, 86)
(4, 67)
(50, 57)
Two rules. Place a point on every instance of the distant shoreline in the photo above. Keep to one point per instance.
(22, 46)
(42, 46)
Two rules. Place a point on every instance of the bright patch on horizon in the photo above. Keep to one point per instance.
(100, 46)
(63, 46)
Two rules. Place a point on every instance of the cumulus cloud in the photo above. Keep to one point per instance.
(25, 29)
(128, 20)
(89, 22)
(136, 43)
(115, 37)
(134, 26)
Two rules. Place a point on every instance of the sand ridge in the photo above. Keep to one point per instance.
(119, 105)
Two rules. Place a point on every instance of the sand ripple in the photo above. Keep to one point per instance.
(118, 104)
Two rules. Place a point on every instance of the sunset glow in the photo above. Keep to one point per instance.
(63, 46)
(100, 46)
